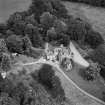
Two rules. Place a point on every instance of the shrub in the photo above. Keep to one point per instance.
(91, 72)
(102, 72)
(87, 74)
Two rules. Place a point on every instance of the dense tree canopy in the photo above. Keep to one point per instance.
(98, 54)
(47, 20)
(15, 44)
(98, 3)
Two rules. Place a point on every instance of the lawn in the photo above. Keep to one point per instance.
(96, 88)
(94, 15)
(8, 7)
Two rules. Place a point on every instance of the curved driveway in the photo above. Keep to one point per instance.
(60, 70)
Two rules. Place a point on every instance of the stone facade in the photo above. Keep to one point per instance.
(59, 55)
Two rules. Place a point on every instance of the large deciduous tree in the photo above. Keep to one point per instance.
(15, 44)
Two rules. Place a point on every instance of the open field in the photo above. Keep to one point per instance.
(8, 7)
(96, 88)
(94, 15)
(74, 95)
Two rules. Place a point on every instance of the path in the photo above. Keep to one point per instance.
(59, 69)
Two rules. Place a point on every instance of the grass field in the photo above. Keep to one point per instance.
(96, 88)
(94, 15)
(8, 7)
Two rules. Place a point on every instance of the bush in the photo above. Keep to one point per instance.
(91, 72)
(87, 74)
(102, 72)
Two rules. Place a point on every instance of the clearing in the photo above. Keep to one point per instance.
(94, 15)
(8, 7)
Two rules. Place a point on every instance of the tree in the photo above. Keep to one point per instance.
(19, 27)
(40, 6)
(98, 55)
(15, 44)
(6, 100)
(14, 18)
(51, 34)
(93, 38)
(57, 91)
(34, 35)
(6, 62)
(45, 76)
(102, 71)
(26, 44)
(31, 20)
(9, 32)
(59, 9)
(3, 46)
(60, 26)
(3, 28)
(76, 30)
(92, 72)
(47, 20)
